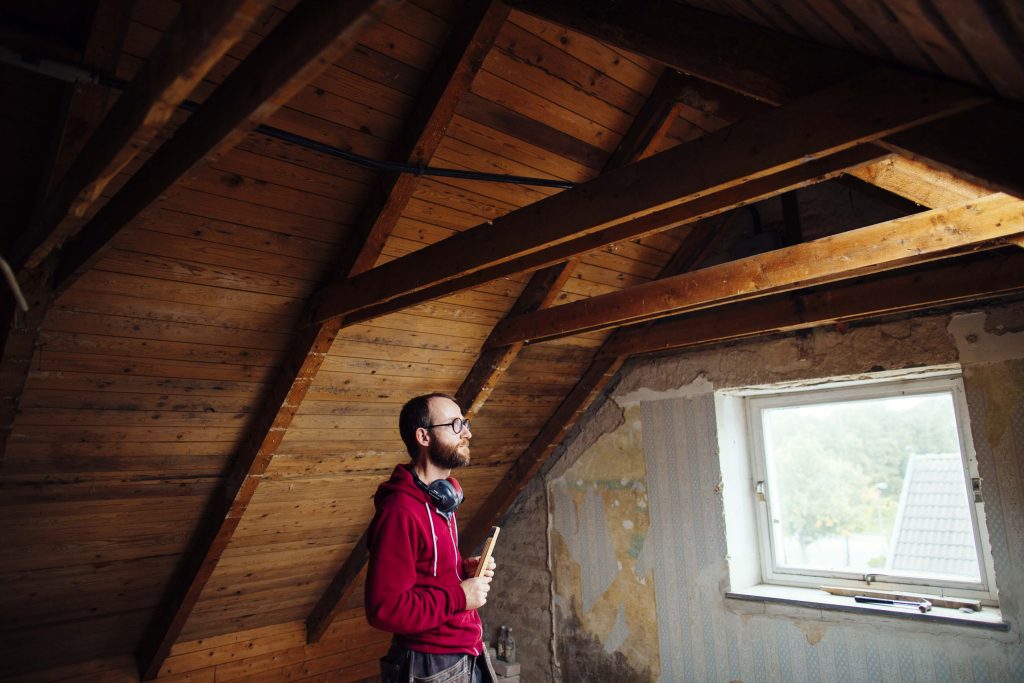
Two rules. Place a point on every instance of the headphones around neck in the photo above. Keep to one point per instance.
(445, 494)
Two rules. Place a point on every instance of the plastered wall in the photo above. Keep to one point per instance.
(634, 535)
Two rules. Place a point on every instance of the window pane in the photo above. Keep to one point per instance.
(870, 486)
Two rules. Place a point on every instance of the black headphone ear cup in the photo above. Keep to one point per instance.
(445, 496)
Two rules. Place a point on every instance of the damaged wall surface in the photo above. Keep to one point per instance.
(636, 523)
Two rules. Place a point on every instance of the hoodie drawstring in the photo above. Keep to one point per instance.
(433, 535)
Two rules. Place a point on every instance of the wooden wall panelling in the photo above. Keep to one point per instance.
(335, 39)
(445, 96)
(190, 48)
(281, 66)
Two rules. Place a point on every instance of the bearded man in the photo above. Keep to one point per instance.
(418, 586)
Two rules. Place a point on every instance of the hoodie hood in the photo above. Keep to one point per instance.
(401, 482)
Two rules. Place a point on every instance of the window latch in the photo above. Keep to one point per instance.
(759, 490)
(976, 488)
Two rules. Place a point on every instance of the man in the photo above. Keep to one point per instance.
(418, 586)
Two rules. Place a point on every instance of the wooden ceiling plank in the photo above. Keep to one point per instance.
(732, 54)
(892, 244)
(746, 151)
(450, 80)
(202, 34)
(940, 285)
(744, 57)
(313, 35)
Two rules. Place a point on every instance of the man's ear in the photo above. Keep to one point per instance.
(422, 436)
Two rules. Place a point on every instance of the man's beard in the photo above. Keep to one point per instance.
(447, 456)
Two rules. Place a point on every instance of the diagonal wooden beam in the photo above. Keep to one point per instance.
(913, 239)
(200, 36)
(860, 110)
(310, 38)
(774, 69)
(900, 292)
(647, 131)
(694, 248)
(699, 208)
(462, 56)
(314, 35)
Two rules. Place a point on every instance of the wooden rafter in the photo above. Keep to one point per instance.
(710, 204)
(984, 145)
(899, 292)
(693, 249)
(647, 131)
(885, 246)
(200, 36)
(313, 36)
(858, 111)
(461, 58)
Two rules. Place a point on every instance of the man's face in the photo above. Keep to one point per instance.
(447, 449)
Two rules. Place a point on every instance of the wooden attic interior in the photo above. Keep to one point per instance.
(225, 313)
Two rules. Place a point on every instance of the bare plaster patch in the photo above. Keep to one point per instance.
(977, 344)
(605, 420)
(699, 386)
(813, 631)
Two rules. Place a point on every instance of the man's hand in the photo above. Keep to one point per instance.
(476, 591)
(473, 562)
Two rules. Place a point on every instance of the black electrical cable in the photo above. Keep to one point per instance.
(367, 162)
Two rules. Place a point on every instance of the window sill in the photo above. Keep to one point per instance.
(989, 618)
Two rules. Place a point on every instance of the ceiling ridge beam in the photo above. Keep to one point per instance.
(861, 110)
(461, 58)
(202, 33)
(311, 37)
(314, 35)
(930, 235)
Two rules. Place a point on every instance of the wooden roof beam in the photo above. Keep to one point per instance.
(984, 146)
(314, 35)
(645, 194)
(975, 224)
(200, 36)
(900, 292)
(647, 131)
(694, 247)
(460, 59)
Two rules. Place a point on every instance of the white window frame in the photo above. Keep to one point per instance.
(865, 388)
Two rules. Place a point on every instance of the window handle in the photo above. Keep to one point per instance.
(759, 491)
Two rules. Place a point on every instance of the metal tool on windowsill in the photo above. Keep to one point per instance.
(923, 605)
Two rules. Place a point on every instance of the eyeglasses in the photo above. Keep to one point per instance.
(457, 424)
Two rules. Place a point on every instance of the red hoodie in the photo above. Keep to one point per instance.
(413, 585)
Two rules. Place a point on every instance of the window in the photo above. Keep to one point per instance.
(868, 483)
